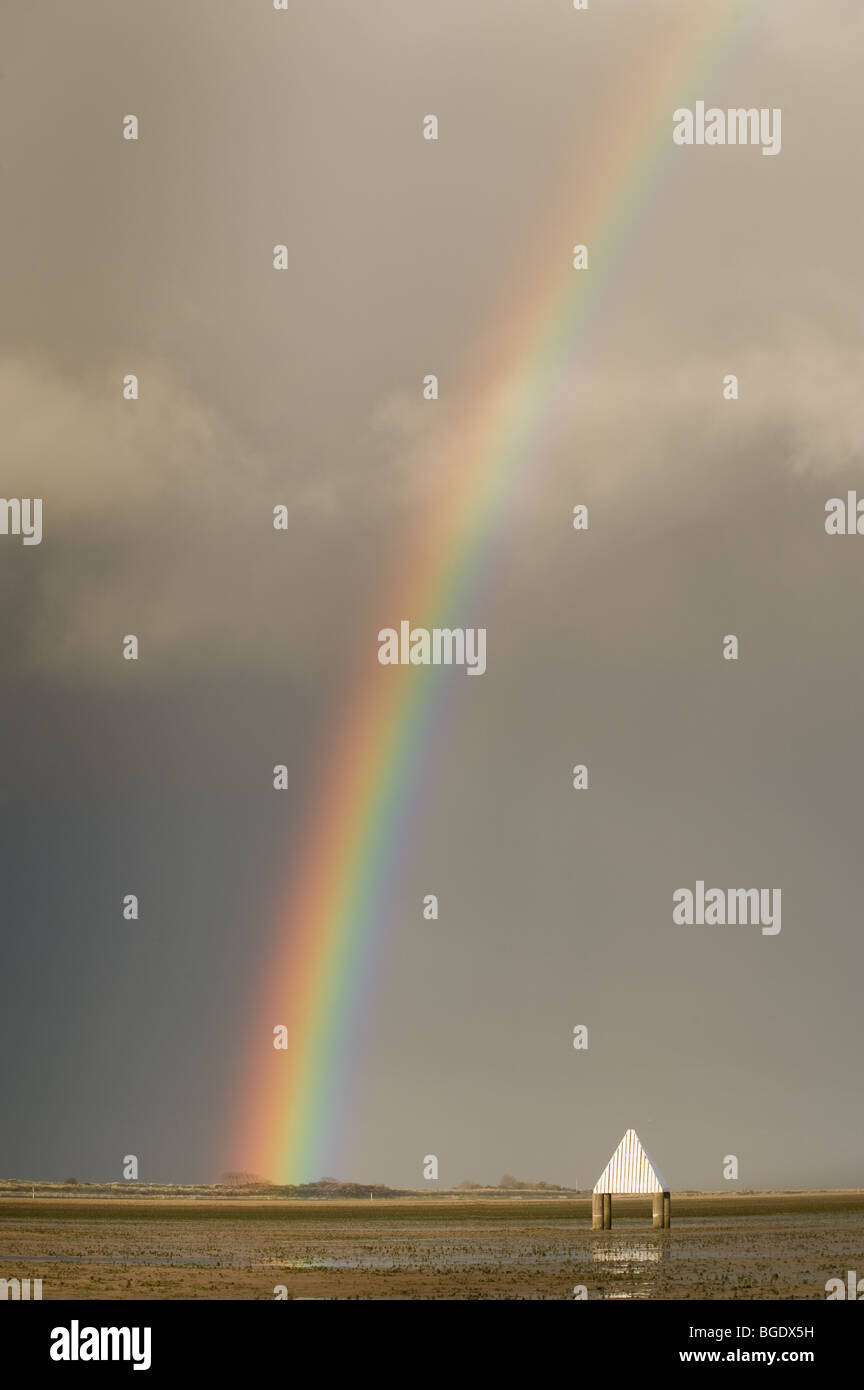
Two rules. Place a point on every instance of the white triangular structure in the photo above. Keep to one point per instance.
(630, 1169)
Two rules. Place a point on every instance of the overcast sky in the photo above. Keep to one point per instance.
(604, 648)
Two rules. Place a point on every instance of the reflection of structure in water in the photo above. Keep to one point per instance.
(630, 1171)
(638, 1252)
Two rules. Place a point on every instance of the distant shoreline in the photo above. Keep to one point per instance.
(16, 1192)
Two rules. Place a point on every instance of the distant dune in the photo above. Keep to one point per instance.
(362, 1195)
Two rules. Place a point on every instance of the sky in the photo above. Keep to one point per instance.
(604, 647)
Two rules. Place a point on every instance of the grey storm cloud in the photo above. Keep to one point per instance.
(304, 388)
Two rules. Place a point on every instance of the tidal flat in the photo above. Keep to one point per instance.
(721, 1246)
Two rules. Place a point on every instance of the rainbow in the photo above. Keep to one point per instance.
(330, 927)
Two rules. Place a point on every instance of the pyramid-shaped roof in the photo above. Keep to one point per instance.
(630, 1169)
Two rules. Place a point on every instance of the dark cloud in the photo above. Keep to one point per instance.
(304, 388)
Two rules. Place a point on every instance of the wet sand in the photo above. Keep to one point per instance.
(721, 1246)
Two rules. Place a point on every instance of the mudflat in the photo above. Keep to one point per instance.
(721, 1246)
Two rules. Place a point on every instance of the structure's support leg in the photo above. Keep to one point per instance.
(667, 1211)
(607, 1211)
(657, 1210)
(597, 1212)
